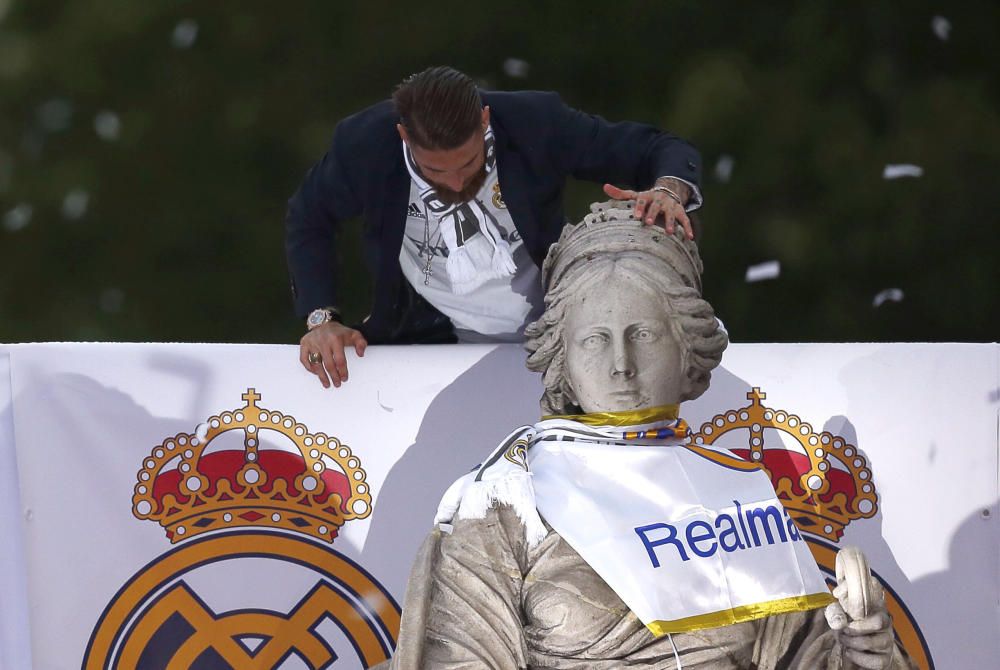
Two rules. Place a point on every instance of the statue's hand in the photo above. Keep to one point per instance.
(863, 626)
(651, 205)
(868, 642)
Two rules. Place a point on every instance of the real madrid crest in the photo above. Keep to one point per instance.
(824, 483)
(251, 498)
(497, 197)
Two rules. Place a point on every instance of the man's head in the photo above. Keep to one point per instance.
(442, 120)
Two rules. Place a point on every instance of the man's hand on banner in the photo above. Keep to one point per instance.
(321, 351)
(862, 623)
(659, 201)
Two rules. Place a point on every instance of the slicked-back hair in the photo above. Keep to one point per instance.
(439, 107)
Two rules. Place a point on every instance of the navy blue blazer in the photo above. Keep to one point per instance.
(540, 142)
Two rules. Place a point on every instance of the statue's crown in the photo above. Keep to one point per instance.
(823, 481)
(204, 481)
(612, 227)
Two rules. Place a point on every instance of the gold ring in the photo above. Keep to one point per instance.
(314, 358)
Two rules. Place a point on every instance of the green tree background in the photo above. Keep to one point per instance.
(147, 150)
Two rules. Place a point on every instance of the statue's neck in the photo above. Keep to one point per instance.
(635, 417)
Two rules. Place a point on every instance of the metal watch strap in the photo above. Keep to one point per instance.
(332, 314)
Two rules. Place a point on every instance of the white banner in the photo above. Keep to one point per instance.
(254, 557)
(687, 539)
(15, 652)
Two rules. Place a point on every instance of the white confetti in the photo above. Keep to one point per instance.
(941, 27)
(517, 68)
(55, 115)
(75, 204)
(112, 300)
(724, 168)
(895, 171)
(17, 218)
(185, 34)
(762, 271)
(107, 125)
(893, 294)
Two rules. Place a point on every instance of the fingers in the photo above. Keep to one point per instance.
(326, 345)
(653, 210)
(879, 622)
(649, 205)
(869, 642)
(671, 212)
(335, 361)
(836, 617)
(307, 347)
(315, 366)
(619, 193)
(685, 222)
(867, 660)
(360, 344)
(320, 371)
(877, 594)
(880, 643)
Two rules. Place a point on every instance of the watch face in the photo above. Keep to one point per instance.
(318, 317)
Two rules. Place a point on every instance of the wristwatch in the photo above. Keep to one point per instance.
(318, 317)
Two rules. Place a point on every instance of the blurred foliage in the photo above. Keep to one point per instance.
(147, 150)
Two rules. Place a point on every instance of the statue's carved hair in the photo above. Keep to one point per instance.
(610, 240)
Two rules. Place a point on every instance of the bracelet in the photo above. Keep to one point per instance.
(666, 189)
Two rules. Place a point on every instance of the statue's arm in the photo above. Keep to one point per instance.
(463, 599)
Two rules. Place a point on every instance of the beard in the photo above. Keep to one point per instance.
(451, 197)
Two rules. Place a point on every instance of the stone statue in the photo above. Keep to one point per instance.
(625, 333)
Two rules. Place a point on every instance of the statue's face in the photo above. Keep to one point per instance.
(621, 353)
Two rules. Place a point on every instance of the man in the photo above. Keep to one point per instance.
(461, 195)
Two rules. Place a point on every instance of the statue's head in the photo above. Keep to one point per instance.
(624, 326)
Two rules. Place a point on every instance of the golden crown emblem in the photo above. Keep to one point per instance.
(824, 484)
(301, 481)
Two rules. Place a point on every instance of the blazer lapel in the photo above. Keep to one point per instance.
(514, 186)
(396, 193)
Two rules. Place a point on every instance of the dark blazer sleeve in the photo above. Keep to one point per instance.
(623, 153)
(326, 197)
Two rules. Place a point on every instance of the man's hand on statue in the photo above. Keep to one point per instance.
(652, 205)
(321, 351)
